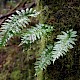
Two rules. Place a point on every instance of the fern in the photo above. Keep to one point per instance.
(60, 48)
(35, 33)
(45, 59)
(15, 24)
(67, 40)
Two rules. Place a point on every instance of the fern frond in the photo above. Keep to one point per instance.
(44, 59)
(51, 53)
(65, 43)
(35, 33)
(15, 24)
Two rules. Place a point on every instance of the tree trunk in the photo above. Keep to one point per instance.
(63, 15)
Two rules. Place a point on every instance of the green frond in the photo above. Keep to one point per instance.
(44, 59)
(60, 48)
(15, 23)
(35, 33)
(65, 43)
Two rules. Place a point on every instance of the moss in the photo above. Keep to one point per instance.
(44, 11)
(3, 76)
(15, 75)
(42, 46)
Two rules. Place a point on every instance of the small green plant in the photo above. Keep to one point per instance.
(60, 48)
(15, 24)
(36, 33)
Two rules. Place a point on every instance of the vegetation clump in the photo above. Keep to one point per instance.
(15, 25)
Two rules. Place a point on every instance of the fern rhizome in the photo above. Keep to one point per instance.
(15, 25)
